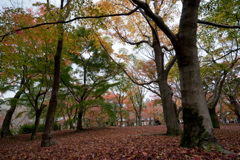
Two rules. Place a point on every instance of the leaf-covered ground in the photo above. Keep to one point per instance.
(117, 143)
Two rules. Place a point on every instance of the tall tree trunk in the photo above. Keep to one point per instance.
(169, 110)
(79, 122)
(236, 106)
(5, 130)
(35, 129)
(47, 136)
(170, 114)
(198, 129)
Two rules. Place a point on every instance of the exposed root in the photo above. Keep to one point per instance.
(215, 147)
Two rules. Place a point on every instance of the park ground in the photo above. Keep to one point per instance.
(122, 143)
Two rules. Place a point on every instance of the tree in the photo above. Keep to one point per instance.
(38, 68)
(144, 34)
(154, 111)
(13, 65)
(221, 46)
(136, 97)
(93, 73)
(47, 136)
(119, 93)
(67, 108)
(36, 91)
(198, 130)
(61, 14)
(231, 90)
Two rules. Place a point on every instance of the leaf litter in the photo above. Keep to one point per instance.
(118, 143)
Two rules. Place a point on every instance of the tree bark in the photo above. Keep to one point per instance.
(47, 136)
(5, 130)
(198, 129)
(169, 111)
(236, 106)
(79, 122)
(170, 115)
(35, 129)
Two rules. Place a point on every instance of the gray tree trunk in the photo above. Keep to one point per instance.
(169, 110)
(169, 107)
(198, 129)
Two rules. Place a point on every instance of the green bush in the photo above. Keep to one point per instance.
(28, 128)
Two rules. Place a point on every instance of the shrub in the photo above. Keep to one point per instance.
(28, 128)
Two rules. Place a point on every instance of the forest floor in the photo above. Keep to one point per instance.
(118, 143)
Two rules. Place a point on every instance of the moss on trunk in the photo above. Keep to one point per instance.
(195, 133)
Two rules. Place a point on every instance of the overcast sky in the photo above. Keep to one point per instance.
(23, 3)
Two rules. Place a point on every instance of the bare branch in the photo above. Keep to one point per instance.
(71, 90)
(227, 54)
(218, 25)
(68, 21)
(153, 91)
(124, 39)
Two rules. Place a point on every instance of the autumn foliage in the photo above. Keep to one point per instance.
(118, 143)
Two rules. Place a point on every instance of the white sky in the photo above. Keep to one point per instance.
(22, 3)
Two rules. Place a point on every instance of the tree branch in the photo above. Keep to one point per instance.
(68, 21)
(71, 90)
(120, 66)
(218, 25)
(127, 41)
(171, 63)
(158, 20)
